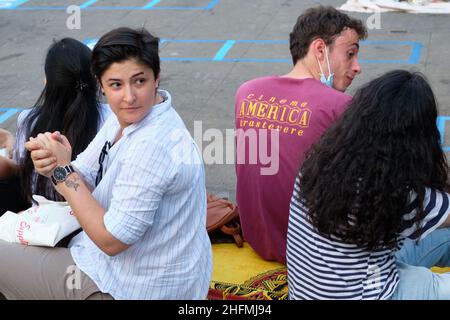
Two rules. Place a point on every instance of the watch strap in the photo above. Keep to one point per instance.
(69, 169)
(53, 180)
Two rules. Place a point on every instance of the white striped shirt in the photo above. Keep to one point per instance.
(153, 191)
(327, 268)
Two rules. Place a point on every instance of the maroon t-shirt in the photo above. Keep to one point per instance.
(277, 120)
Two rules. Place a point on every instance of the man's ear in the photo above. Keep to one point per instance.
(318, 48)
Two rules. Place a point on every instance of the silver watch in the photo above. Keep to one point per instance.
(60, 174)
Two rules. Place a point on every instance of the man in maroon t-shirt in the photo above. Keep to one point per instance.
(279, 117)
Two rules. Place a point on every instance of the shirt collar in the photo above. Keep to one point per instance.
(154, 112)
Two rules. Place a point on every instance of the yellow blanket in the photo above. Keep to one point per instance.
(240, 274)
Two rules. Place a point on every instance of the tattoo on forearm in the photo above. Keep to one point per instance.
(72, 184)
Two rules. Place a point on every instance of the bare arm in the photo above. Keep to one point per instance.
(86, 209)
(89, 214)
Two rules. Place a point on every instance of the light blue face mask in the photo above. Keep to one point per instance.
(326, 81)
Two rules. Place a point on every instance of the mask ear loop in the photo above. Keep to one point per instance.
(328, 64)
(321, 70)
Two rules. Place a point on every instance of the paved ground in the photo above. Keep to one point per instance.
(209, 48)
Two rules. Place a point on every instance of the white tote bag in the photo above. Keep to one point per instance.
(42, 225)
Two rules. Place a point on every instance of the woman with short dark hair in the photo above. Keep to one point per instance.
(138, 192)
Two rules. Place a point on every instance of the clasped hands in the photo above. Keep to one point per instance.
(49, 150)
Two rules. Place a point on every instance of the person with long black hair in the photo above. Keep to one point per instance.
(369, 199)
(69, 104)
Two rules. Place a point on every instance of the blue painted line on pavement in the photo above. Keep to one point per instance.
(259, 60)
(111, 8)
(212, 4)
(441, 120)
(263, 41)
(414, 57)
(366, 61)
(179, 8)
(9, 112)
(192, 59)
(224, 50)
(186, 59)
(87, 4)
(192, 40)
(90, 43)
(151, 4)
(131, 8)
(53, 8)
(11, 4)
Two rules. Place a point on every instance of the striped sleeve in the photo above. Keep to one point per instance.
(436, 207)
(145, 175)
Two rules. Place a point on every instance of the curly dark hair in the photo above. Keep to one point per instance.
(324, 22)
(356, 181)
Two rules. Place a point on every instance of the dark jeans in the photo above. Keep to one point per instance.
(10, 196)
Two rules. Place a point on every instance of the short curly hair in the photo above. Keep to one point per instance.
(323, 22)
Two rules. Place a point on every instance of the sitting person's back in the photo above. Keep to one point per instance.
(279, 118)
(369, 199)
(264, 189)
(69, 104)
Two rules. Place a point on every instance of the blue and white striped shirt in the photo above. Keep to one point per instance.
(153, 191)
(324, 268)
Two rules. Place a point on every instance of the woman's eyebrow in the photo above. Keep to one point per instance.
(133, 76)
(138, 74)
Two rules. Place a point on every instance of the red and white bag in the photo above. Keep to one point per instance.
(42, 225)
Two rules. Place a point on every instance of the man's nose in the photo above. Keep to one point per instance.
(356, 67)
